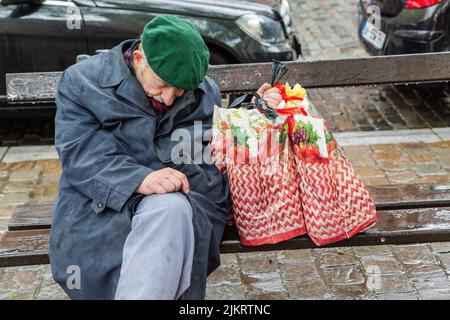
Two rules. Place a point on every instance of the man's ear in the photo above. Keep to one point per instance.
(137, 56)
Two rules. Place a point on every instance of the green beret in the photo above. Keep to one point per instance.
(175, 51)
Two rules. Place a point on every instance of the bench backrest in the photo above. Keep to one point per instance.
(413, 68)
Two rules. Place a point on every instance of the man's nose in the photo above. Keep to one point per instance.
(168, 98)
(170, 94)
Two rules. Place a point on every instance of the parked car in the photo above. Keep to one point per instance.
(38, 36)
(405, 26)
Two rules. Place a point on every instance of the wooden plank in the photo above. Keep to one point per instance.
(404, 226)
(393, 227)
(386, 197)
(379, 70)
(406, 196)
(29, 247)
(27, 217)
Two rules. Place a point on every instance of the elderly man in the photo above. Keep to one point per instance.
(130, 223)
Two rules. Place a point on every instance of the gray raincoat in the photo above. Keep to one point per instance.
(109, 139)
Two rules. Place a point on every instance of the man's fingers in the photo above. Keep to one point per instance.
(271, 103)
(263, 89)
(168, 185)
(274, 96)
(159, 189)
(176, 182)
(273, 90)
(184, 180)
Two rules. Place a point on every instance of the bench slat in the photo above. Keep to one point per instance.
(386, 197)
(405, 226)
(393, 227)
(379, 70)
(28, 247)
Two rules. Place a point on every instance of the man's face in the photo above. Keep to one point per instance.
(153, 85)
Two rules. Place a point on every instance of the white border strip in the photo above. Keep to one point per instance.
(30, 153)
(392, 136)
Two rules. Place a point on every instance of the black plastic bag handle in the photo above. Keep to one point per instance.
(259, 104)
(278, 71)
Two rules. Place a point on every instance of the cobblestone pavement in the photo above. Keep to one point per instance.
(30, 175)
(328, 29)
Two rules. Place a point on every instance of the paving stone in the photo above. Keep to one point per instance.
(427, 169)
(7, 211)
(49, 289)
(444, 133)
(266, 264)
(4, 224)
(2, 152)
(49, 179)
(399, 166)
(44, 191)
(24, 175)
(435, 294)
(369, 251)
(311, 289)
(13, 198)
(423, 271)
(21, 283)
(440, 247)
(382, 284)
(398, 296)
(443, 145)
(30, 153)
(414, 254)
(18, 186)
(352, 292)
(225, 292)
(4, 175)
(444, 259)
(228, 259)
(49, 166)
(24, 165)
(387, 155)
(302, 271)
(294, 256)
(374, 181)
(403, 177)
(331, 259)
(225, 275)
(369, 171)
(343, 276)
(381, 265)
(434, 178)
(264, 286)
(422, 158)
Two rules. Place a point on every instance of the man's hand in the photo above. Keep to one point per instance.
(270, 94)
(163, 181)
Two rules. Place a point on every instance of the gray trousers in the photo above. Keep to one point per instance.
(158, 252)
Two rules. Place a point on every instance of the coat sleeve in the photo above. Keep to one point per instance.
(92, 159)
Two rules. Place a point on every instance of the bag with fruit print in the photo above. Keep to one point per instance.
(336, 205)
(250, 142)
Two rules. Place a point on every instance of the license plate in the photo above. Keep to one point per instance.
(373, 35)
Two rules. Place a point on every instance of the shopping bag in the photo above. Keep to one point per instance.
(255, 153)
(336, 205)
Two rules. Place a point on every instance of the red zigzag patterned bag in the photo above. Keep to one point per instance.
(287, 174)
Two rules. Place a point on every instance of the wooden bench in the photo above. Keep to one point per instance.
(407, 213)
